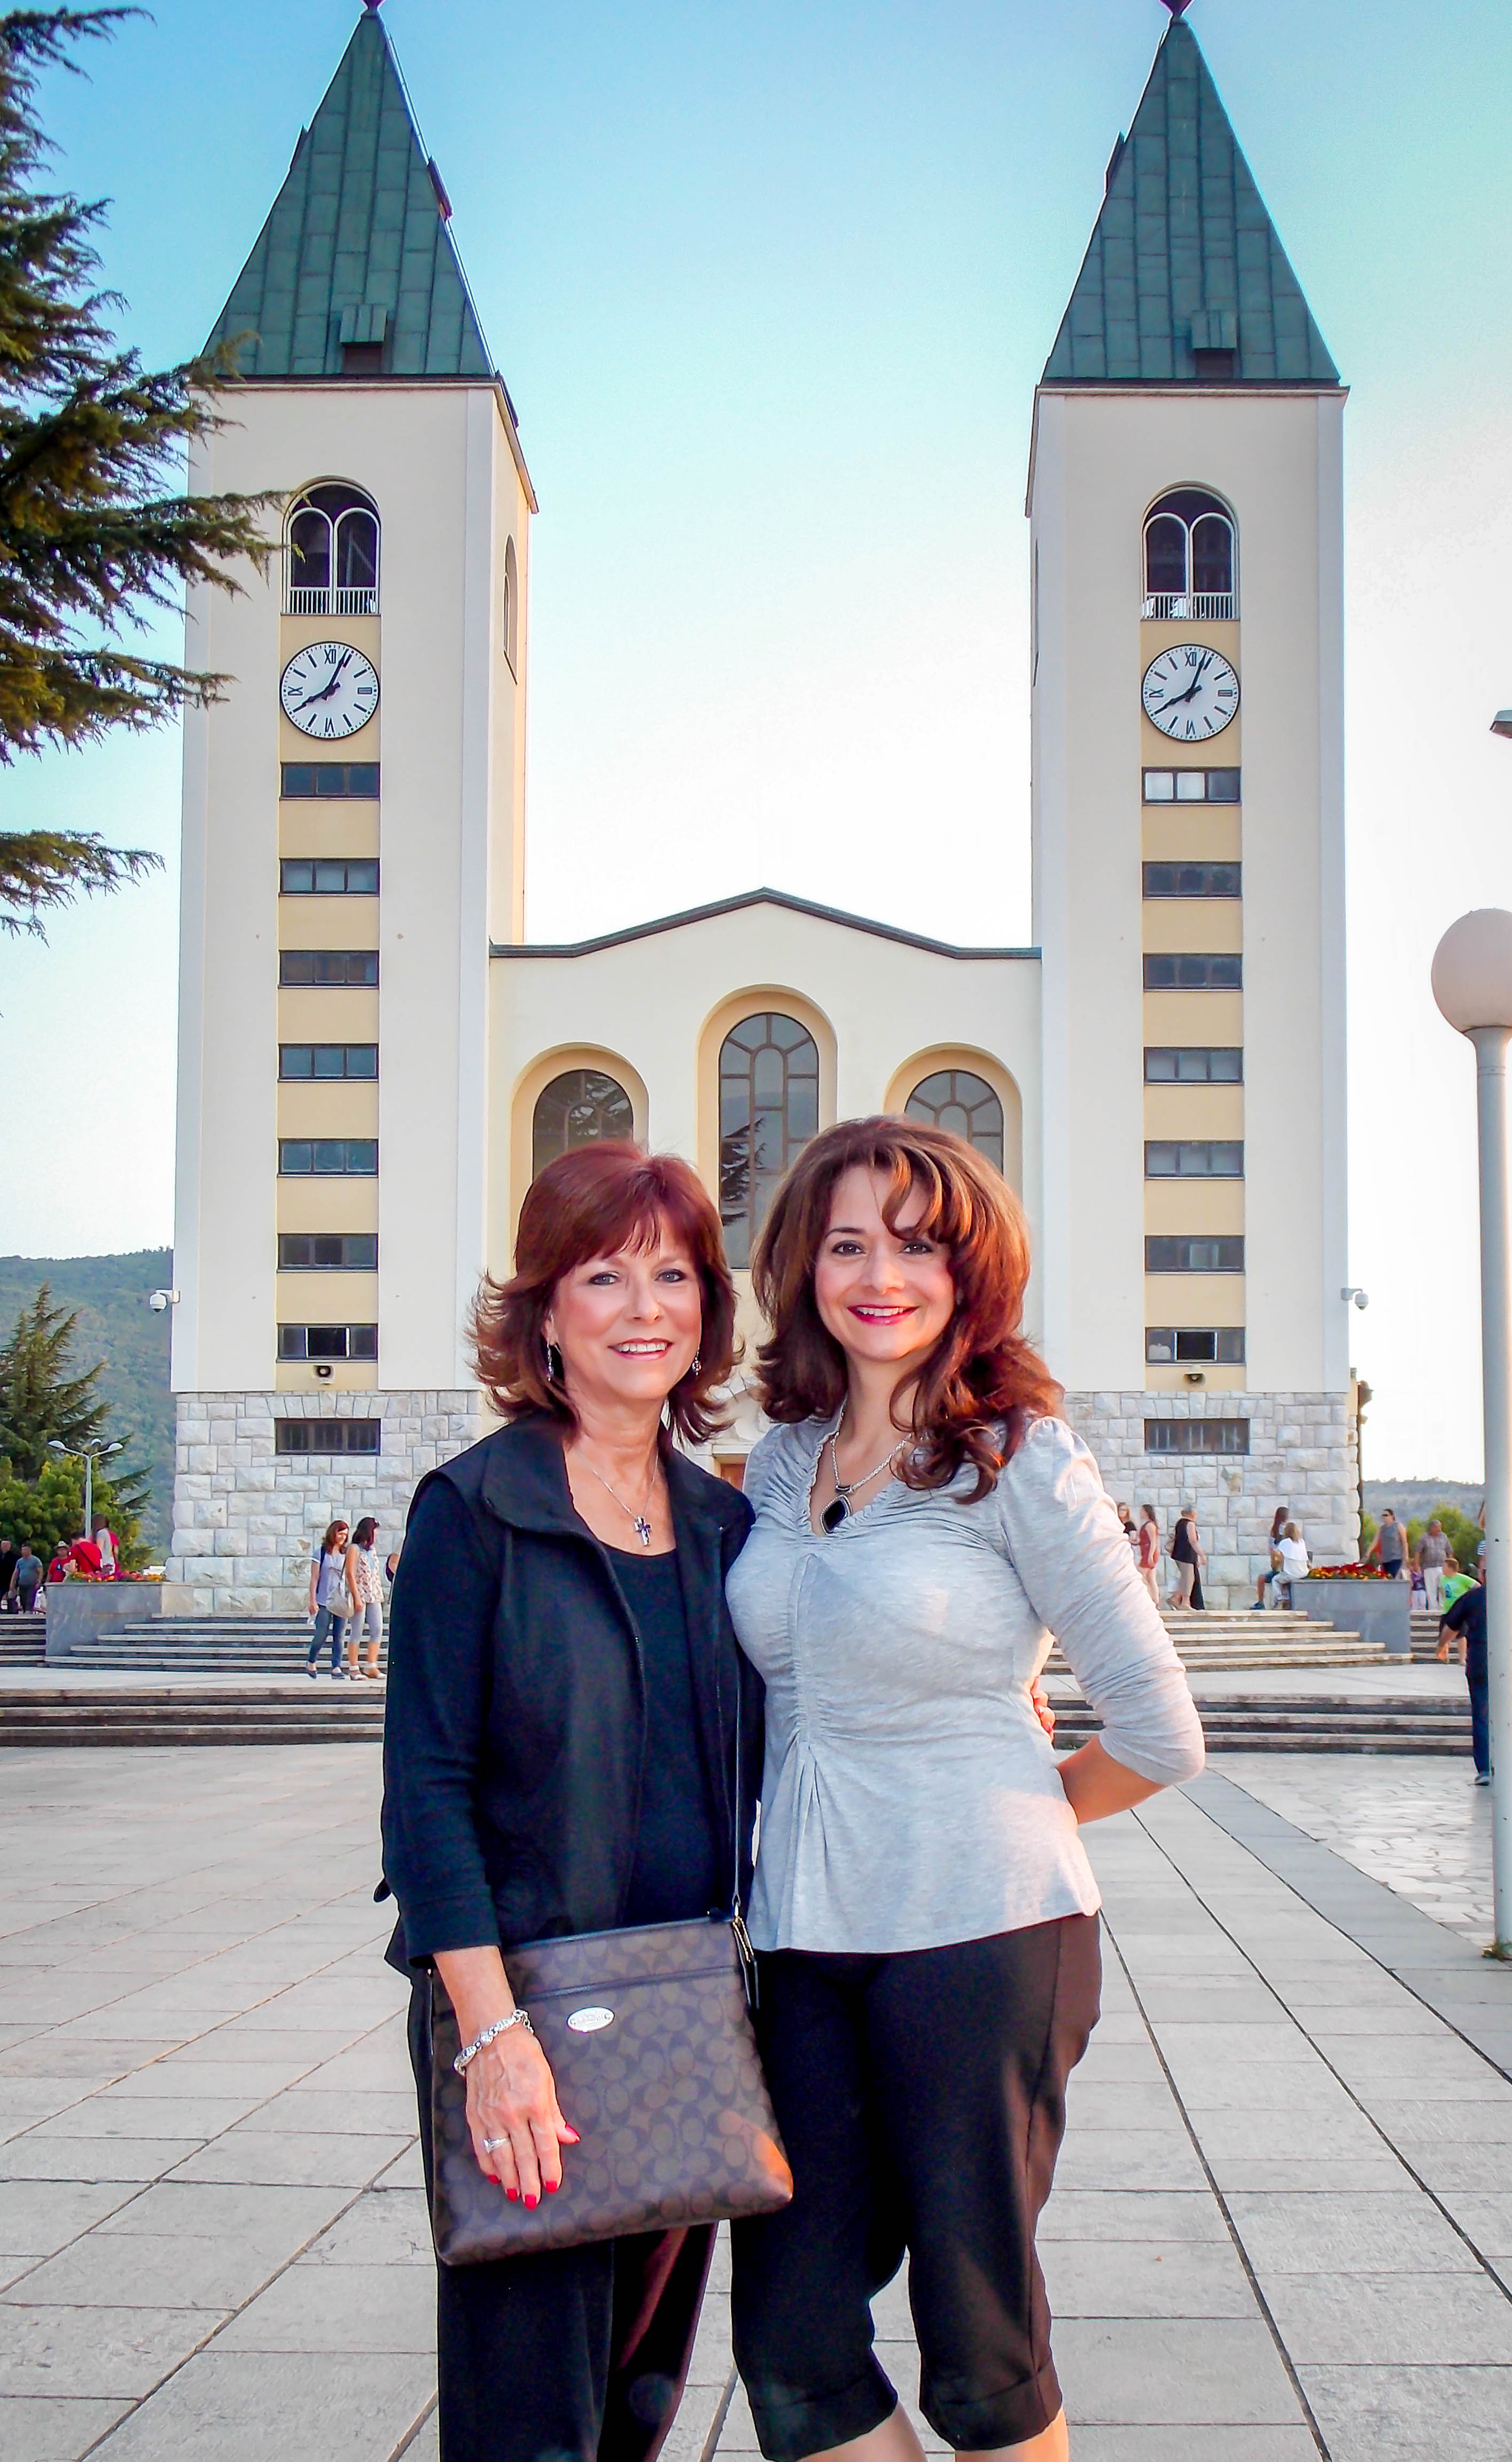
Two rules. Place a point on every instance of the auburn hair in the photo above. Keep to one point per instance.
(327, 1544)
(592, 1201)
(982, 1371)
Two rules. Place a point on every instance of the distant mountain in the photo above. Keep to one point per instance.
(1410, 1498)
(116, 1326)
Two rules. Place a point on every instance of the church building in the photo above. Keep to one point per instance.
(374, 1060)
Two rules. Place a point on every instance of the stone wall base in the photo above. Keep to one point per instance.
(1301, 1455)
(246, 1519)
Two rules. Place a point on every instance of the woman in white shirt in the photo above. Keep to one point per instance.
(923, 1909)
(1294, 1565)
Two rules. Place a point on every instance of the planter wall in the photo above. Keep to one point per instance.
(81, 1610)
(1376, 1610)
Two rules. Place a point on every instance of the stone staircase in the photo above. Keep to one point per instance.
(1309, 1723)
(23, 1640)
(324, 1713)
(201, 1646)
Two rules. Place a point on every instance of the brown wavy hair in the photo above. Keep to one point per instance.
(982, 1371)
(593, 1201)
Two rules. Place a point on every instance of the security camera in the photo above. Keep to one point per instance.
(1362, 1299)
(158, 1301)
(1350, 1292)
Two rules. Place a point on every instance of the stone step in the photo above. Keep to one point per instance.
(244, 1717)
(1310, 1723)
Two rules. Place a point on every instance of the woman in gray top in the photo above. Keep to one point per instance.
(923, 1907)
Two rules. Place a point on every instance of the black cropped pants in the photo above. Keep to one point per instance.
(922, 2098)
(569, 2355)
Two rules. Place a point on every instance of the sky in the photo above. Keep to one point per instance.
(770, 286)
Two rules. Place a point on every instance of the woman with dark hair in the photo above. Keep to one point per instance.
(365, 1587)
(560, 1757)
(923, 1911)
(330, 1598)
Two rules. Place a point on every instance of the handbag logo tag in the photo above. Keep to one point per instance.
(590, 2021)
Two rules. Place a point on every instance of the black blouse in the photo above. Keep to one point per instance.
(678, 1864)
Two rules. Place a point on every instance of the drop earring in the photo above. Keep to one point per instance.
(696, 1365)
(554, 1361)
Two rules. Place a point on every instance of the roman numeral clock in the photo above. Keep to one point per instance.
(328, 690)
(1189, 693)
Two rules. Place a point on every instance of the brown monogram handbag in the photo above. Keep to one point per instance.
(649, 2037)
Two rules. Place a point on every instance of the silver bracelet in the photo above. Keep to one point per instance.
(500, 2027)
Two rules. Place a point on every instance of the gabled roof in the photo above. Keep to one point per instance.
(734, 906)
(357, 249)
(1185, 257)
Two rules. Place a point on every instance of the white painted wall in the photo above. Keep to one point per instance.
(441, 464)
(1100, 457)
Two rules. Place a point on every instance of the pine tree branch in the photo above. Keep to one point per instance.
(45, 868)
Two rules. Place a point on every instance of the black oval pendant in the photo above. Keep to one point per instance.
(834, 1514)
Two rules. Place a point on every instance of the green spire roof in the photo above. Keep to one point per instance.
(1185, 279)
(355, 271)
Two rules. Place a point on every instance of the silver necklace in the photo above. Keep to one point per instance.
(642, 1526)
(840, 1510)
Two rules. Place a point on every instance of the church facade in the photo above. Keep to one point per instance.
(374, 1060)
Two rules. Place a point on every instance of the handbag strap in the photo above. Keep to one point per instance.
(741, 1938)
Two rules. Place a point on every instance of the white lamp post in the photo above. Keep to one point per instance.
(92, 1450)
(1473, 986)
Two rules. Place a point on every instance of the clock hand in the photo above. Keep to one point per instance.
(1193, 688)
(325, 694)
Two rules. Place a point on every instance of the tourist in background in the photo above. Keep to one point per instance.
(1186, 1554)
(565, 1702)
(62, 1561)
(365, 1591)
(1468, 1618)
(26, 1579)
(1126, 1523)
(1431, 1559)
(924, 1912)
(9, 1552)
(108, 1551)
(1389, 1547)
(1278, 1524)
(1295, 1565)
(1456, 1581)
(1148, 1545)
(330, 1598)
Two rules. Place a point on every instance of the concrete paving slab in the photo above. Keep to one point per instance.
(274, 2158)
(109, 2351)
(1335, 2233)
(1174, 2373)
(380, 2308)
(52, 2428)
(236, 2406)
(1411, 2414)
(1145, 2278)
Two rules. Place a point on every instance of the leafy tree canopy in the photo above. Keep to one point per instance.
(52, 1509)
(97, 533)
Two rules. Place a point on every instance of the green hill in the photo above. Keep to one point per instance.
(116, 1326)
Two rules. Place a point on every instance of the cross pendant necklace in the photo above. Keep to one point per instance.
(639, 1522)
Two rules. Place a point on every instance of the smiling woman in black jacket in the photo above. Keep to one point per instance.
(559, 1757)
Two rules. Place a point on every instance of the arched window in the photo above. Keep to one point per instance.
(511, 609)
(1189, 558)
(769, 1110)
(577, 1108)
(958, 1100)
(332, 552)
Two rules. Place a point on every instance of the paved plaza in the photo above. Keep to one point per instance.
(1283, 2219)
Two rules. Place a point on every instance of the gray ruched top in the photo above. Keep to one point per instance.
(909, 1796)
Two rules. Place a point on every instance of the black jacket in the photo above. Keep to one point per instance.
(515, 1730)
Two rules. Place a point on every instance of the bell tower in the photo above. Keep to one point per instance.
(1185, 497)
(352, 835)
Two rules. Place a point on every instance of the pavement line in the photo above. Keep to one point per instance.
(1257, 2294)
(1338, 1890)
(1262, 1978)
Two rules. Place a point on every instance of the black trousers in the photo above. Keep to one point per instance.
(572, 2355)
(922, 2098)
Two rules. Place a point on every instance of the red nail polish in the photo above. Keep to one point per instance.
(514, 2195)
(530, 2202)
(551, 2187)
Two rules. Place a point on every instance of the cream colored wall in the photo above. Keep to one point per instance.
(665, 1001)
(1100, 457)
(439, 462)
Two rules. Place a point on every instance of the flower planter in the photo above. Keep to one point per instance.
(1376, 1610)
(82, 1611)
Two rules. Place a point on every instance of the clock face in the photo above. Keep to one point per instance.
(328, 690)
(1190, 693)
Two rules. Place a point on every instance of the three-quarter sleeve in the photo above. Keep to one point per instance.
(1078, 1572)
(440, 1639)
